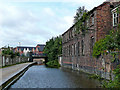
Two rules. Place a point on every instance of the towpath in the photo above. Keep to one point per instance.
(9, 72)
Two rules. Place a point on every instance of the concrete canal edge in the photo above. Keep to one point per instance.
(15, 77)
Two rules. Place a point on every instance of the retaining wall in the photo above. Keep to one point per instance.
(7, 60)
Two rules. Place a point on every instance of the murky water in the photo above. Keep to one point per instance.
(42, 77)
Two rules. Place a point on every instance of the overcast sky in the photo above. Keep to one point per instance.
(33, 22)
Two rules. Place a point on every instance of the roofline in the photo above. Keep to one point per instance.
(115, 8)
(24, 47)
(69, 29)
(41, 44)
(88, 13)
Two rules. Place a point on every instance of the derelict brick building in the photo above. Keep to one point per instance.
(78, 47)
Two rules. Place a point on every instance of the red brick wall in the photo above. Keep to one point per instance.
(102, 25)
(104, 20)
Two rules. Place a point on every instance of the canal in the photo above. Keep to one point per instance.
(38, 76)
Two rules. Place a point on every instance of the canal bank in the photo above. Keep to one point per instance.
(10, 74)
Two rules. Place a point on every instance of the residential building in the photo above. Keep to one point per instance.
(26, 50)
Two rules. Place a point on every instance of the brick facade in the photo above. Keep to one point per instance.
(38, 50)
(78, 48)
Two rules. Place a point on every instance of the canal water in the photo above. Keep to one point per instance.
(39, 76)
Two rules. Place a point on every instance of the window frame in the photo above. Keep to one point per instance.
(115, 20)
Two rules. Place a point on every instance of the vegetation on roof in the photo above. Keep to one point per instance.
(80, 19)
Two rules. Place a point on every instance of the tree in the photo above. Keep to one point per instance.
(53, 49)
(79, 13)
(7, 51)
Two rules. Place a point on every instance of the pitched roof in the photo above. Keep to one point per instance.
(40, 44)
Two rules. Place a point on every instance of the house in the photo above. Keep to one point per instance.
(78, 47)
(26, 50)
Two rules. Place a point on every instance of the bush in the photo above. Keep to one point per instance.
(53, 64)
(116, 82)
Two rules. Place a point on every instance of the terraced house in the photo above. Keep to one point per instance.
(78, 47)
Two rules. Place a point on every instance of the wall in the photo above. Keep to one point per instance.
(7, 60)
(104, 20)
(79, 57)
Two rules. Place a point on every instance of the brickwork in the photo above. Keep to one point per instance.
(78, 48)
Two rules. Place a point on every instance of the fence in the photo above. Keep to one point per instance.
(7, 60)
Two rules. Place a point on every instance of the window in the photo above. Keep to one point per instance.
(69, 35)
(82, 45)
(78, 48)
(92, 20)
(72, 49)
(72, 33)
(115, 18)
(69, 50)
(92, 44)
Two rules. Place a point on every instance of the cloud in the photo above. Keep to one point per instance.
(31, 25)
(49, 11)
(82, 1)
(28, 26)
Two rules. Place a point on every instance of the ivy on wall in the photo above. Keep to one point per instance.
(108, 44)
(80, 25)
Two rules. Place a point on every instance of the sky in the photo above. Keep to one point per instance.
(33, 22)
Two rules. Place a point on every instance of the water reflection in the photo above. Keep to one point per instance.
(42, 77)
